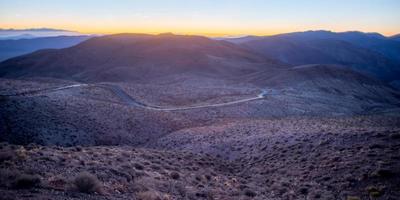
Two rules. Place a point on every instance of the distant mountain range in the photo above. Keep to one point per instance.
(36, 29)
(14, 34)
(370, 53)
(12, 48)
(142, 57)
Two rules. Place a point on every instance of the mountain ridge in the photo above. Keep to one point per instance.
(366, 52)
(135, 56)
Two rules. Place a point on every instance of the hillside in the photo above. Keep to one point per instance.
(320, 89)
(131, 57)
(137, 114)
(366, 52)
(292, 158)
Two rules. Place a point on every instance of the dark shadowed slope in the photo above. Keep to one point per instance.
(366, 52)
(316, 73)
(11, 48)
(332, 83)
(130, 57)
(395, 37)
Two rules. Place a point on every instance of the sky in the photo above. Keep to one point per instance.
(203, 17)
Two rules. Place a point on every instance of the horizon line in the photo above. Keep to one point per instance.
(233, 35)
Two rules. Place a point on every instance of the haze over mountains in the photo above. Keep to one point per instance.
(15, 47)
(7, 34)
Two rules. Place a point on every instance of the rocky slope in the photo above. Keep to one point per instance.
(290, 158)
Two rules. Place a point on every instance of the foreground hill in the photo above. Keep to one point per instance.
(292, 158)
(12, 48)
(366, 52)
(304, 158)
(130, 57)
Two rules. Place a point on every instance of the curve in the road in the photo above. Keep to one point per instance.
(129, 100)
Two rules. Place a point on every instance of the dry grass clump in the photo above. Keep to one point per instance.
(175, 175)
(87, 183)
(249, 193)
(26, 181)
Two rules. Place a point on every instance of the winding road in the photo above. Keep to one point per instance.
(130, 101)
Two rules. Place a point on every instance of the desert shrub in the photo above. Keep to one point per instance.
(204, 194)
(374, 191)
(181, 189)
(4, 98)
(78, 148)
(249, 193)
(148, 195)
(25, 181)
(384, 173)
(201, 194)
(57, 182)
(21, 153)
(87, 183)
(138, 166)
(6, 155)
(353, 198)
(198, 177)
(155, 167)
(395, 136)
(175, 175)
(303, 191)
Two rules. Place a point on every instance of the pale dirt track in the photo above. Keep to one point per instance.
(130, 101)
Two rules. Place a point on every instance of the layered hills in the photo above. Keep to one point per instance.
(369, 53)
(131, 57)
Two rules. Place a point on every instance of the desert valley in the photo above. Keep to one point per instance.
(137, 116)
(199, 100)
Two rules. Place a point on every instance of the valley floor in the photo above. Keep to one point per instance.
(87, 143)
